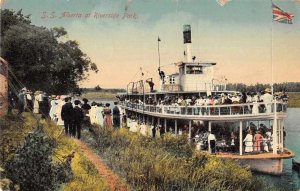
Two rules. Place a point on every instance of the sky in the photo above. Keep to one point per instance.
(240, 37)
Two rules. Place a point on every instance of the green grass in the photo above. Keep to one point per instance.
(99, 95)
(294, 99)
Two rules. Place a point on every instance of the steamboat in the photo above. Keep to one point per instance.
(193, 103)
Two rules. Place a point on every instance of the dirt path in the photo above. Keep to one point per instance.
(109, 176)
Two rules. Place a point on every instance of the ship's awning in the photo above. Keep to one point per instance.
(195, 63)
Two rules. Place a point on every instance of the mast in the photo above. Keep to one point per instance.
(161, 73)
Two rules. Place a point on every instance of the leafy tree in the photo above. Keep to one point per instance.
(39, 59)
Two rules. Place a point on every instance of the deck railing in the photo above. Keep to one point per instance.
(254, 109)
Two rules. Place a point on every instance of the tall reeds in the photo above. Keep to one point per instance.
(168, 163)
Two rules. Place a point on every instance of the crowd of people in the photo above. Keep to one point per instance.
(66, 111)
(259, 102)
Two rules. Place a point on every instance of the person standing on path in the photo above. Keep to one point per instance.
(86, 111)
(78, 119)
(67, 115)
(107, 116)
(116, 115)
(21, 101)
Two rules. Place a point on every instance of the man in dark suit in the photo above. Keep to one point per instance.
(67, 115)
(78, 119)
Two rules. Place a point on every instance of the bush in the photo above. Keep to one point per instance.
(32, 166)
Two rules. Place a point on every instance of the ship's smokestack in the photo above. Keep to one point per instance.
(187, 40)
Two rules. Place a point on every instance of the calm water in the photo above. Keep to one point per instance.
(289, 180)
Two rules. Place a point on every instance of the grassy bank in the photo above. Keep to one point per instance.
(167, 164)
(99, 95)
(294, 99)
(14, 130)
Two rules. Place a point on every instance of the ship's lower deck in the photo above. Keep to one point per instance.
(265, 156)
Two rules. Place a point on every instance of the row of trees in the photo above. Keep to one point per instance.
(278, 87)
(42, 58)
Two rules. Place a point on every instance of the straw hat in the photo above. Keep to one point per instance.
(268, 90)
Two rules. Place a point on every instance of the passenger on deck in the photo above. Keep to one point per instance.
(211, 142)
(248, 142)
(258, 139)
(265, 143)
(267, 98)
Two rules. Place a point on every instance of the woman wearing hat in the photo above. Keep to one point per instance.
(52, 112)
(248, 142)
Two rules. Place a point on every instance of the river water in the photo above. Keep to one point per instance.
(289, 180)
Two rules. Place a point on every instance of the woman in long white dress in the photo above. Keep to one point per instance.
(60, 103)
(52, 112)
(99, 114)
(36, 102)
(92, 113)
(248, 142)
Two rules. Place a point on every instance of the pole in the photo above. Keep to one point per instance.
(190, 131)
(158, 40)
(241, 137)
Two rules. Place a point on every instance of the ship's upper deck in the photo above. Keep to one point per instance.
(228, 112)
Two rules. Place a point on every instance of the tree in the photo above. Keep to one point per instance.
(39, 59)
(98, 88)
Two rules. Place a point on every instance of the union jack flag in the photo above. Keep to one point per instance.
(223, 2)
(281, 16)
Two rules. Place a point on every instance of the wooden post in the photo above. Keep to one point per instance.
(281, 135)
(274, 136)
(241, 138)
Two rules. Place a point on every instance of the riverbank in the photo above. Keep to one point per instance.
(99, 96)
(294, 99)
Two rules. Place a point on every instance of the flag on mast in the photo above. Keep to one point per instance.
(223, 2)
(281, 16)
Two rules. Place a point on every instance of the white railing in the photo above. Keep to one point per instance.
(211, 110)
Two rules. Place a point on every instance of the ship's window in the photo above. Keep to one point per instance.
(172, 80)
(194, 70)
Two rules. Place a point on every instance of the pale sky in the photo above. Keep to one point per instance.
(237, 36)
